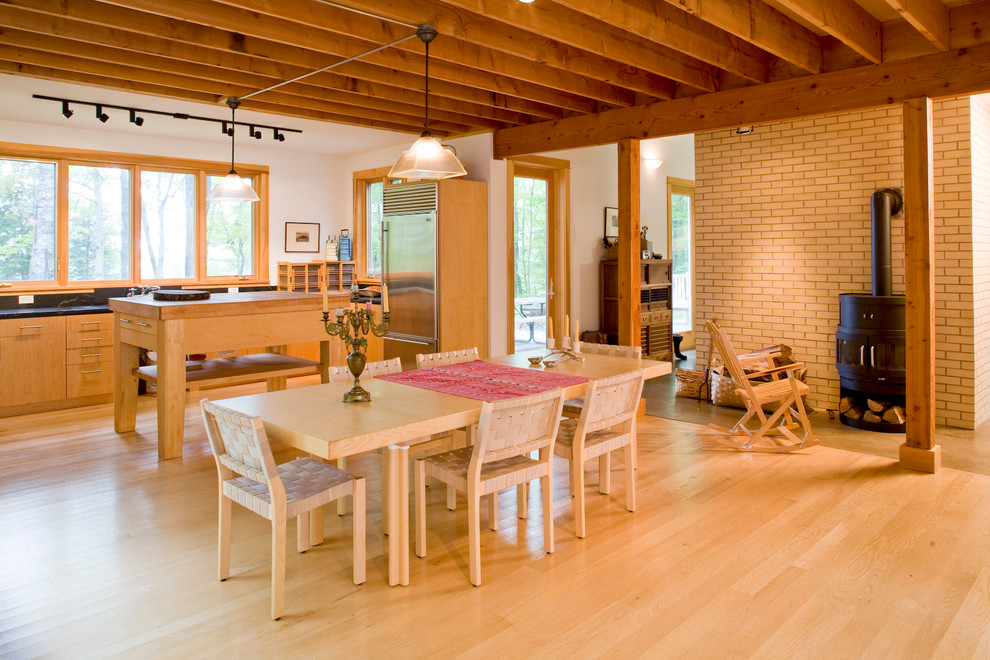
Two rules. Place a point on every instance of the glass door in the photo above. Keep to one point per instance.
(680, 205)
(530, 277)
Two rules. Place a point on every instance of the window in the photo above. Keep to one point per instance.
(680, 205)
(27, 221)
(373, 223)
(70, 218)
(368, 211)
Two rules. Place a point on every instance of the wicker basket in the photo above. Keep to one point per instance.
(689, 383)
(724, 390)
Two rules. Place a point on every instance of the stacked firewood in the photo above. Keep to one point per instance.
(877, 411)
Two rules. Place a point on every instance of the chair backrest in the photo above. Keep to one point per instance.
(611, 401)
(239, 443)
(611, 349)
(427, 360)
(371, 369)
(721, 344)
(514, 427)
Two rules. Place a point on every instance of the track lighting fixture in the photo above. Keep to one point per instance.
(278, 137)
(254, 132)
(225, 124)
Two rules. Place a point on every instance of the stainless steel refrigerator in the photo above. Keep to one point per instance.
(409, 268)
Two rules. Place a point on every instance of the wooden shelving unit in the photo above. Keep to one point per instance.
(308, 276)
(655, 295)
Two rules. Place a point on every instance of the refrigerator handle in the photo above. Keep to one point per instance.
(384, 249)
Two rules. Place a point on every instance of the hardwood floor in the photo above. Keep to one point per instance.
(107, 551)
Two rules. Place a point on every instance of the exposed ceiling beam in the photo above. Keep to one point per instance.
(593, 36)
(763, 26)
(846, 21)
(943, 74)
(667, 25)
(929, 17)
(464, 27)
(243, 22)
(130, 22)
(303, 94)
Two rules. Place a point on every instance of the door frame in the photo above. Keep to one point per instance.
(557, 174)
(676, 186)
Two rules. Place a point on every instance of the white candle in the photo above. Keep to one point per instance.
(549, 327)
(567, 326)
(384, 298)
(577, 333)
(326, 304)
(340, 312)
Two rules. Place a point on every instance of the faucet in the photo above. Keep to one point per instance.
(131, 292)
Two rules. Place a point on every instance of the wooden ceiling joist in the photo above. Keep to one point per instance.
(846, 21)
(940, 75)
(929, 17)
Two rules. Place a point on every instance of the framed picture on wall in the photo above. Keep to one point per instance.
(611, 222)
(302, 237)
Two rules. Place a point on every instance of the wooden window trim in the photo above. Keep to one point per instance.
(359, 230)
(63, 157)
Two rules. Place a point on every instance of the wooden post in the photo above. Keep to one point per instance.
(628, 275)
(919, 451)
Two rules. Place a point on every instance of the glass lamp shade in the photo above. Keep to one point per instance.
(233, 188)
(427, 159)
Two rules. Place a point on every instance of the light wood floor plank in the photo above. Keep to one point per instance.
(109, 552)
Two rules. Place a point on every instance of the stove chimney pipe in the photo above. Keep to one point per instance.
(883, 205)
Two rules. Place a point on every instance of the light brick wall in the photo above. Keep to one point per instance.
(783, 227)
(980, 140)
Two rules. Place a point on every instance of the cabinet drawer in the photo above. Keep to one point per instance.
(89, 323)
(36, 325)
(88, 354)
(139, 324)
(89, 339)
(88, 379)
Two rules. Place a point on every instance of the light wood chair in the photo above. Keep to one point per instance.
(508, 432)
(572, 407)
(607, 424)
(427, 360)
(786, 393)
(275, 492)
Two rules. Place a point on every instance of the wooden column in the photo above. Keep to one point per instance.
(919, 451)
(628, 275)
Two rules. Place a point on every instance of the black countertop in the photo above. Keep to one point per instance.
(28, 312)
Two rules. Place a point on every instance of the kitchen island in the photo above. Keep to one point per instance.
(225, 321)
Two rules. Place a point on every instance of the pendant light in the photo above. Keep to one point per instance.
(427, 158)
(233, 188)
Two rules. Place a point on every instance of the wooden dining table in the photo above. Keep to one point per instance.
(316, 420)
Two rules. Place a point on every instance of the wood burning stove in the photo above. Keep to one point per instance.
(869, 342)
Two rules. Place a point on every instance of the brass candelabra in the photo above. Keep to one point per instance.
(353, 325)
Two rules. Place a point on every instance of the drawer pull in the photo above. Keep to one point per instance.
(125, 320)
(92, 339)
(91, 371)
(144, 325)
(89, 322)
(93, 355)
(31, 327)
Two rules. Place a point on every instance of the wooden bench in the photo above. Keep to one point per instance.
(273, 367)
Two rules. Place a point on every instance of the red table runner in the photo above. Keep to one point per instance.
(484, 381)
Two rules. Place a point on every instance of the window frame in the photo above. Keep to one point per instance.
(63, 157)
(685, 187)
(361, 179)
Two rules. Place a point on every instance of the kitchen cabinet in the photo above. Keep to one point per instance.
(32, 360)
(656, 312)
(309, 276)
(88, 355)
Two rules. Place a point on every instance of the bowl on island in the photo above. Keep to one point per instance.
(549, 363)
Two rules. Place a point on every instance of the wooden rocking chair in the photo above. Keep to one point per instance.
(786, 392)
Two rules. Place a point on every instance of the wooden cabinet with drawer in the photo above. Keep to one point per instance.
(32, 360)
(88, 355)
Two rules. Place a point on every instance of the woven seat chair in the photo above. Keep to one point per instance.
(501, 457)
(275, 492)
(607, 424)
(572, 407)
(786, 393)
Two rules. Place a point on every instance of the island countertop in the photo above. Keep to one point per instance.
(224, 304)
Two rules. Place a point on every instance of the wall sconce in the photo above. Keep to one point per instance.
(102, 116)
(744, 130)
(652, 163)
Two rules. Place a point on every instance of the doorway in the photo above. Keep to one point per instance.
(538, 194)
(680, 225)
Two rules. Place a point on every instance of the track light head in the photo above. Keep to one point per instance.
(254, 132)
(137, 121)
(65, 110)
(102, 116)
(277, 136)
